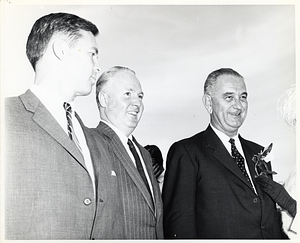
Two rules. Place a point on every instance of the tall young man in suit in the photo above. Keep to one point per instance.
(119, 98)
(52, 188)
(206, 195)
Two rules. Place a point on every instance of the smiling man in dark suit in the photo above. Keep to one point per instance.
(209, 189)
(119, 98)
(55, 187)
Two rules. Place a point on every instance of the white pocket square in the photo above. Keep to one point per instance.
(113, 173)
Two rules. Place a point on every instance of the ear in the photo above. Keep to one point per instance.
(103, 99)
(206, 99)
(59, 48)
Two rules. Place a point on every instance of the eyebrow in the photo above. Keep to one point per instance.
(227, 93)
(232, 93)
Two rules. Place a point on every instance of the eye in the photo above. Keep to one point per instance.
(229, 98)
(128, 94)
(243, 97)
(141, 96)
(93, 54)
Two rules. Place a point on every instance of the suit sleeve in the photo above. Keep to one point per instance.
(179, 194)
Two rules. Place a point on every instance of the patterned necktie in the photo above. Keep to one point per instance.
(239, 159)
(138, 164)
(71, 131)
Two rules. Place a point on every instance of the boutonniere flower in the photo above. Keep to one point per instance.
(261, 160)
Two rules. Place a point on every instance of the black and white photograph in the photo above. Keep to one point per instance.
(149, 120)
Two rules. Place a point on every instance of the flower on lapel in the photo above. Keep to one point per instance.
(261, 160)
(269, 157)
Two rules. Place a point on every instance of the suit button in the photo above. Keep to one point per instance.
(87, 201)
(255, 200)
(262, 226)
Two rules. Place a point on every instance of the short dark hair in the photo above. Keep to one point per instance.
(106, 76)
(213, 76)
(155, 153)
(43, 29)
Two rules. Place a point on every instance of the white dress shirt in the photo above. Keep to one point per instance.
(55, 106)
(225, 140)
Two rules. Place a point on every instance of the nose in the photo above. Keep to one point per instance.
(238, 104)
(97, 65)
(136, 101)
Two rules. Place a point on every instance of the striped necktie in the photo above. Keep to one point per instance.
(71, 131)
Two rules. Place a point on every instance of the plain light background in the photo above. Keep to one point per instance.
(172, 48)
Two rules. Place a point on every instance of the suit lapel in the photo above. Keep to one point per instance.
(125, 160)
(101, 163)
(156, 191)
(148, 164)
(222, 155)
(249, 153)
(47, 122)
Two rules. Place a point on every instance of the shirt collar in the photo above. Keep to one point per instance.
(53, 104)
(224, 138)
(120, 134)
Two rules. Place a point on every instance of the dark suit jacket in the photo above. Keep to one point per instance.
(142, 219)
(48, 191)
(205, 194)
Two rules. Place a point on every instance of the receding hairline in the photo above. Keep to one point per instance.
(213, 77)
(112, 74)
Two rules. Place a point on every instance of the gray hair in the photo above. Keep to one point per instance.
(106, 76)
(213, 76)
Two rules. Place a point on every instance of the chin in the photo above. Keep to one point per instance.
(132, 126)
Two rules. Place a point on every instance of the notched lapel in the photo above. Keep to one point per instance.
(222, 155)
(122, 155)
(128, 165)
(249, 153)
(46, 121)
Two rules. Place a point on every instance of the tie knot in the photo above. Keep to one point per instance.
(130, 143)
(231, 140)
(67, 107)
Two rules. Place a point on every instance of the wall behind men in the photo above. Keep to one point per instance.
(172, 49)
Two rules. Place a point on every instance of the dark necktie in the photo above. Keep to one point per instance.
(138, 164)
(239, 159)
(71, 132)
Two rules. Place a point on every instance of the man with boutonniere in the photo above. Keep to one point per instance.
(210, 191)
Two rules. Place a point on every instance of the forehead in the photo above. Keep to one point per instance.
(230, 83)
(125, 80)
(87, 38)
